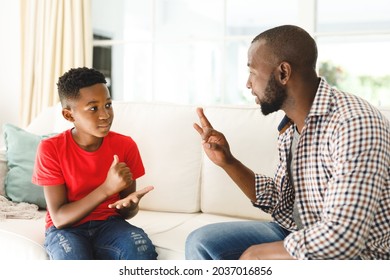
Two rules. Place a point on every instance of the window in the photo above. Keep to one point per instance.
(195, 51)
(354, 46)
(102, 59)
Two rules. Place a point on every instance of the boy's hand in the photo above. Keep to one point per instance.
(118, 177)
(132, 200)
(214, 142)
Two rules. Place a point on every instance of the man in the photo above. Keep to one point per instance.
(330, 197)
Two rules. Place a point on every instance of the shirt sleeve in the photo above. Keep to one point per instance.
(361, 159)
(266, 194)
(134, 160)
(47, 171)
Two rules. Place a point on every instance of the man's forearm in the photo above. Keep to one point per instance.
(243, 177)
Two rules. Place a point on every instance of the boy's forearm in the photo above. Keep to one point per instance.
(72, 212)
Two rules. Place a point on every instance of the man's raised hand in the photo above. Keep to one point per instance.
(214, 142)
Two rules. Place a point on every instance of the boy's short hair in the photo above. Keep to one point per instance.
(70, 83)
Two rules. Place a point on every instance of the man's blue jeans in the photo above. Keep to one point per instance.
(112, 239)
(227, 241)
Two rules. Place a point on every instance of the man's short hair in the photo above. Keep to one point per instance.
(292, 44)
(70, 83)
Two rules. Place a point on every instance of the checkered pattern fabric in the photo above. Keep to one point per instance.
(341, 180)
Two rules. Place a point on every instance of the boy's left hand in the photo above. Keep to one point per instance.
(132, 200)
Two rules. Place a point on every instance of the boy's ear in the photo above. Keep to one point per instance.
(67, 114)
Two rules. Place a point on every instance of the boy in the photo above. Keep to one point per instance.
(88, 175)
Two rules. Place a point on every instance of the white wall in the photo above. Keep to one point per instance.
(10, 63)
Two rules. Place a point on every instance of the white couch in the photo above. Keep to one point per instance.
(190, 191)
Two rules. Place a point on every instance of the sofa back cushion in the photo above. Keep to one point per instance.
(386, 112)
(173, 157)
(171, 152)
(50, 120)
(253, 140)
(169, 147)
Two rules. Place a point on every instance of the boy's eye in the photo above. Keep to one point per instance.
(108, 105)
(93, 108)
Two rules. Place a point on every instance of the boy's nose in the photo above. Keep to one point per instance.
(104, 115)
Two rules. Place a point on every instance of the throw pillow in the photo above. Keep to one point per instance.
(3, 171)
(21, 147)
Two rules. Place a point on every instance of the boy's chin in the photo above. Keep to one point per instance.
(102, 132)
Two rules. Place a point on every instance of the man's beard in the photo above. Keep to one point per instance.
(274, 96)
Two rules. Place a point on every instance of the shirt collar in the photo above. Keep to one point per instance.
(321, 105)
(322, 101)
(284, 124)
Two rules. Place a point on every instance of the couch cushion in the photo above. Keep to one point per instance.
(155, 124)
(169, 231)
(22, 239)
(386, 112)
(16, 247)
(156, 224)
(171, 152)
(253, 140)
(41, 125)
(21, 150)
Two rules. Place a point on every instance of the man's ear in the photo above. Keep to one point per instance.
(67, 114)
(284, 72)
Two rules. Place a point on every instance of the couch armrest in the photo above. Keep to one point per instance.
(3, 170)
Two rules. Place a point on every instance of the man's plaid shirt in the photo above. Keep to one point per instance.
(341, 178)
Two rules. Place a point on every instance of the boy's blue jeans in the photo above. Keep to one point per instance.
(227, 241)
(112, 239)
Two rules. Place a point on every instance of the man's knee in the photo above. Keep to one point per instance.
(196, 244)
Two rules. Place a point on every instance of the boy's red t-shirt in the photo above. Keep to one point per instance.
(60, 160)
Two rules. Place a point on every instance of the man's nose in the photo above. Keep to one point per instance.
(248, 84)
